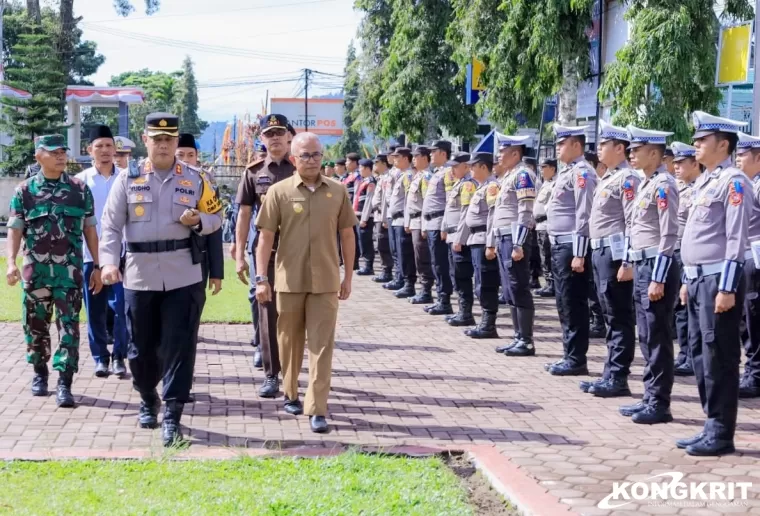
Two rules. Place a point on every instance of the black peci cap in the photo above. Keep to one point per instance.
(100, 131)
(187, 140)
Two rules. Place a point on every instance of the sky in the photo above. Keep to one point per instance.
(233, 43)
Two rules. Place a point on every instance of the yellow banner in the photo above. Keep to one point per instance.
(477, 73)
(733, 54)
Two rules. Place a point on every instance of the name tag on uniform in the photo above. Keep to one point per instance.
(297, 199)
(617, 246)
(756, 253)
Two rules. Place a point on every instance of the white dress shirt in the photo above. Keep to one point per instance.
(100, 188)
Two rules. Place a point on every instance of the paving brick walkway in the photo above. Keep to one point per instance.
(400, 377)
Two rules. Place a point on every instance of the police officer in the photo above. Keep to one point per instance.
(340, 169)
(687, 171)
(398, 280)
(52, 212)
(365, 191)
(413, 223)
(472, 231)
(609, 227)
(396, 210)
(652, 242)
(155, 207)
(713, 250)
(433, 209)
(509, 225)
(568, 212)
(382, 171)
(124, 149)
(748, 161)
(350, 181)
(460, 256)
(548, 169)
(259, 176)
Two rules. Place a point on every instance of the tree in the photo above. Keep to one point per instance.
(33, 10)
(125, 7)
(35, 70)
(375, 34)
(530, 48)
(666, 70)
(352, 133)
(421, 93)
(187, 108)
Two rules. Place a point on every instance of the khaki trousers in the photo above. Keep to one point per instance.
(305, 317)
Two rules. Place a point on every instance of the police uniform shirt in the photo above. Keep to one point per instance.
(542, 199)
(473, 224)
(261, 175)
(717, 227)
(613, 202)
(458, 200)
(434, 202)
(685, 201)
(378, 199)
(148, 208)
(397, 199)
(569, 208)
(655, 220)
(414, 199)
(754, 218)
(307, 221)
(365, 192)
(514, 204)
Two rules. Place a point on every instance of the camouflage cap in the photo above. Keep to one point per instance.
(50, 142)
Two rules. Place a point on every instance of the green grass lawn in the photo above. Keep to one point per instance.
(348, 484)
(229, 306)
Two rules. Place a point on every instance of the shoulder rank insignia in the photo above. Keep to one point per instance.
(185, 182)
(492, 193)
(178, 170)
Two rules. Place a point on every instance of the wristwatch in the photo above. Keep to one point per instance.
(96, 266)
(260, 279)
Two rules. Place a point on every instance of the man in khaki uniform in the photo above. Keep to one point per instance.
(306, 209)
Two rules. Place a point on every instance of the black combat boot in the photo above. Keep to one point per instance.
(653, 414)
(171, 433)
(748, 387)
(486, 329)
(684, 368)
(383, 277)
(64, 398)
(40, 381)
(442, 307)
(615, 387)
(406, 291)
(524, 347)
(149, 407)
(597, 329)
(546, 291)
(365, 271)
(423, 297)
(464, 316)
(516, 328)
(393, 285)
(586, 385)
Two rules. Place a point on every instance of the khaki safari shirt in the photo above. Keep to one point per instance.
(307, 257)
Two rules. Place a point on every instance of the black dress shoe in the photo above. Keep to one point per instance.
(748, 388)
(685, 443)
(549, 365)
(521, 349)
(318, 424)
(653, 415)
(711, 447)
(534, 283)
(684, 369)
(568, 369)
(119, 368)
(365, 272)
(630, 410)
(101, 369)
(422, 298)
(505, 347)
(586, 385)
(270, 388)
(148, 415)
(612, 388)
(258, 362)
(293, 407)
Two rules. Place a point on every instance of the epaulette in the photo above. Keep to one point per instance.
(254, 163)
(133, 170)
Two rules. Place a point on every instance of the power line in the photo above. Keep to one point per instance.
(245, 83)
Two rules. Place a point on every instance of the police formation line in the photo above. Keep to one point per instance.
(152, 241)
(665, 255)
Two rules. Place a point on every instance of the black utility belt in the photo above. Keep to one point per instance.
(477, 229)
(160, 246)
(434, 215)
(397, 215)
(415, 215)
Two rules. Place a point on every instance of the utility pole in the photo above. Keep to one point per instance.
(756, 84)
(306, 74)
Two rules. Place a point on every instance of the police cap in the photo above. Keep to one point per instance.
(162, 123)
(365, 163)
(481, 157)
(273, 121)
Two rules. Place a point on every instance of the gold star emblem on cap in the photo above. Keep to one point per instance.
(273, 120)
(162, 123)
(119, 145)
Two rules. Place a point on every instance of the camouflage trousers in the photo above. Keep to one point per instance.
(38, 305)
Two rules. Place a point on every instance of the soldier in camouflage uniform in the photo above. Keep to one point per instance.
(51, 211)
